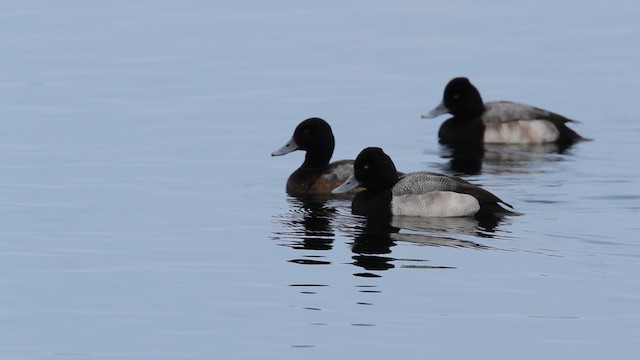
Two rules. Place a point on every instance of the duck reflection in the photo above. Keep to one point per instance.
(468, 159)
(310, 224)
(307, 225)
(374, 239)
(447, 231)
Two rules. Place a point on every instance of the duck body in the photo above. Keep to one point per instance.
(497, 122)
(318, 180)
(423, 193)
(317, 175)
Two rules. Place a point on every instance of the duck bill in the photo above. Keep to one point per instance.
(348, 185)
(287, 148)
(437, 111)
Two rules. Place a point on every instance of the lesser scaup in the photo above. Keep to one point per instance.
(420, 193)
(316, 176)
(498, 122)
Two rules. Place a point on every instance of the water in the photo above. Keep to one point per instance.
(143, 218)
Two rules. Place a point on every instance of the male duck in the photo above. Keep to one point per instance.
(420, 193)
(498, 122)
(316, 176)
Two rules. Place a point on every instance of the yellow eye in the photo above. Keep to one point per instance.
(366, 167)
(456, 97)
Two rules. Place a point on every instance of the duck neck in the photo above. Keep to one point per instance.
(471, 111)
(318, 158)
(478, 109)
(374, 204)
(319, 151)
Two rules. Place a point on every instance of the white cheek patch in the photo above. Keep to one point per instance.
(435, 204)
(521, 132)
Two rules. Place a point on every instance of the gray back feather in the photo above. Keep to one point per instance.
(502, 111)
(423, 182)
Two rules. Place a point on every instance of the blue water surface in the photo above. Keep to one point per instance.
(142, 216)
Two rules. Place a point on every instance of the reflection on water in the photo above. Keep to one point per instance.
(370, 242)
(484, 227)
(307, 225)
(311, 223)
(372, 239)
(468, 159)
(305, 286)
(318, 225)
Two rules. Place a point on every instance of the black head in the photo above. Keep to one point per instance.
(374, 169)
(314, 133)
(462, 99)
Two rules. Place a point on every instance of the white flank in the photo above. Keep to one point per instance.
(521, 132)
(435, 204)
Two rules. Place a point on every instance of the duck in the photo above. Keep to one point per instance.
(496, 122)
(422, 193)
(317, 175)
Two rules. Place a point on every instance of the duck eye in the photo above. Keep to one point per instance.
(366, 167)
(456, 96)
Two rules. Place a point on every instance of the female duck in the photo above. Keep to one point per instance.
(498, 122)
(316, 176)
(421, 193)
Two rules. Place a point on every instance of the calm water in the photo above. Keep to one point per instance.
(143, 218)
